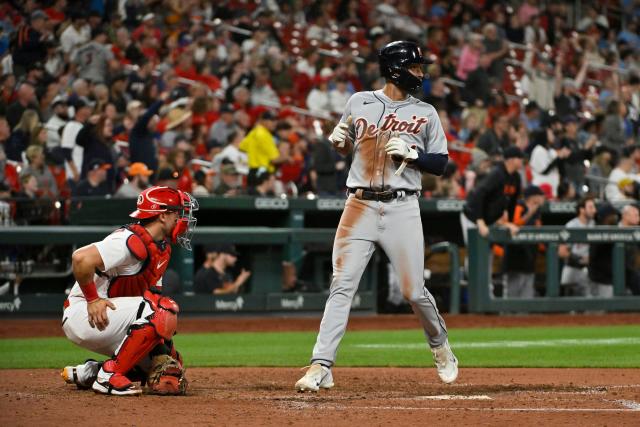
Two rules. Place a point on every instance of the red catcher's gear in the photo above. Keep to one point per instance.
(156, 200)
(155, 261)
(141, 339)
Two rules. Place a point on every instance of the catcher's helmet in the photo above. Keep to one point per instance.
(394, 59)
(155, 200)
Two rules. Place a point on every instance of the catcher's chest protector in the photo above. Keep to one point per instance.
(154, 257)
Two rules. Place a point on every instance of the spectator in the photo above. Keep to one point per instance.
(178, 125)
(203, 184)
(96, 141)
(622, 178)
(167, 177)
(600, 256)
(178, 161)
(520, 260)
(94, 59)
(37, 168)
(323, 167)
(477, 89)
(599, 170)
(138, 174)
(262, 93)
(264, 184)
(95, 184)
(612, 132)
(223, 127)
(470, 56)
(73, 152)
(545, 161)
(230, 181)
(21, 135)
(214, 276)
(496, 139)
(260, 146)
(26, 99)
(574, 164)
(141, 144)
(231, 152)
(318, 99)
(495, 47)
(339, 96)
(30, 208)
(76, 34)
(31, 42)
(575, 274)
(57, 121)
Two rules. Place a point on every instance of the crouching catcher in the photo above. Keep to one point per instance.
(116, 307)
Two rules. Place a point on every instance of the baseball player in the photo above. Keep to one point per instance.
(394, 138)
(115, 307)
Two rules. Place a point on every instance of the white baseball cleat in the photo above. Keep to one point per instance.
(446, 363)
(115, 384)
(316, 377)
(83, 375)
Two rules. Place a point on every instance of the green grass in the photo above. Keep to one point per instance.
(606, 346)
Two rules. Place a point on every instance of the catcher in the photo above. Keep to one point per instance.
(115, 307)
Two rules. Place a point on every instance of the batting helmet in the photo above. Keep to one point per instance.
(155, 200)
(395, 58)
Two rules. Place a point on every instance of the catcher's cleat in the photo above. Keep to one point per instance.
(83, 375)
(114, 383)
(316, 377)
(446, 363)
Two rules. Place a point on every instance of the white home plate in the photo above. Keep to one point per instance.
(453, 397)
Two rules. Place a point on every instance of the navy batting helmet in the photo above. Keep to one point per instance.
(395, 58)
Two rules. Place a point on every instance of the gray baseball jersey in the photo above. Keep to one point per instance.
(376, 118)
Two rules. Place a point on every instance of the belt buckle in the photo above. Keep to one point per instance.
(385, 196)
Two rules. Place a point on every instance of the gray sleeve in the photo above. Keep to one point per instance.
(436, 142)
(347, 110)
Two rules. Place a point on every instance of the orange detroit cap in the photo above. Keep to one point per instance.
(139, 168)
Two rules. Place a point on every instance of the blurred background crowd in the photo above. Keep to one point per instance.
(228, 98)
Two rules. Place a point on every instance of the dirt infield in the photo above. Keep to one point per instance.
(372, 397)
(375, 396)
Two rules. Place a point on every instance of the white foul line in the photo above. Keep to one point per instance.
(513, 344)
(452, 397)
(412, 408)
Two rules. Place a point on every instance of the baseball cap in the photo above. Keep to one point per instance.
(227, 248)
(96, 164)
(512, 152)
(226, 108)
(533, 190)
(39, 14)
(268, 115)
(167, 173)
(59, 99)
(229, 170)
(139, 168)
(81, 102)
(570, 119)
(148, 16)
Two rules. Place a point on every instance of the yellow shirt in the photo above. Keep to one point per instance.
(260, 148)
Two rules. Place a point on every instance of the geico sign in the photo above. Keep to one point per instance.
(449, 205)
(330, 204)
(271, 203)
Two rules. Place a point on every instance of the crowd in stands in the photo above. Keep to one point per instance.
(227, 98)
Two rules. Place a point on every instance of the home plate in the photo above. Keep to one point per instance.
(453, 397)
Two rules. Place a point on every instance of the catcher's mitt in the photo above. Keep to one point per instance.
(167, 376)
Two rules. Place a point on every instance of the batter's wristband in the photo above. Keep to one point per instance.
(90, 292)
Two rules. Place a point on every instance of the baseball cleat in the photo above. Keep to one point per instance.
(316, 377)
(83, 375)
(114, 384)
(446, 363)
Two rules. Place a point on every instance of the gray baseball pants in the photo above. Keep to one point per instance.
(397, 228)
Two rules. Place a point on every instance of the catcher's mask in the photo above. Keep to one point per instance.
(155, 200)
(394, 60)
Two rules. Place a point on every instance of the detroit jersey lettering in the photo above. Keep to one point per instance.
(375, 119)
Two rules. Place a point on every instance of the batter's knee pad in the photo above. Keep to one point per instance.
(165, 314)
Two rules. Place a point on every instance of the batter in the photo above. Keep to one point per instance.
(394, 138)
